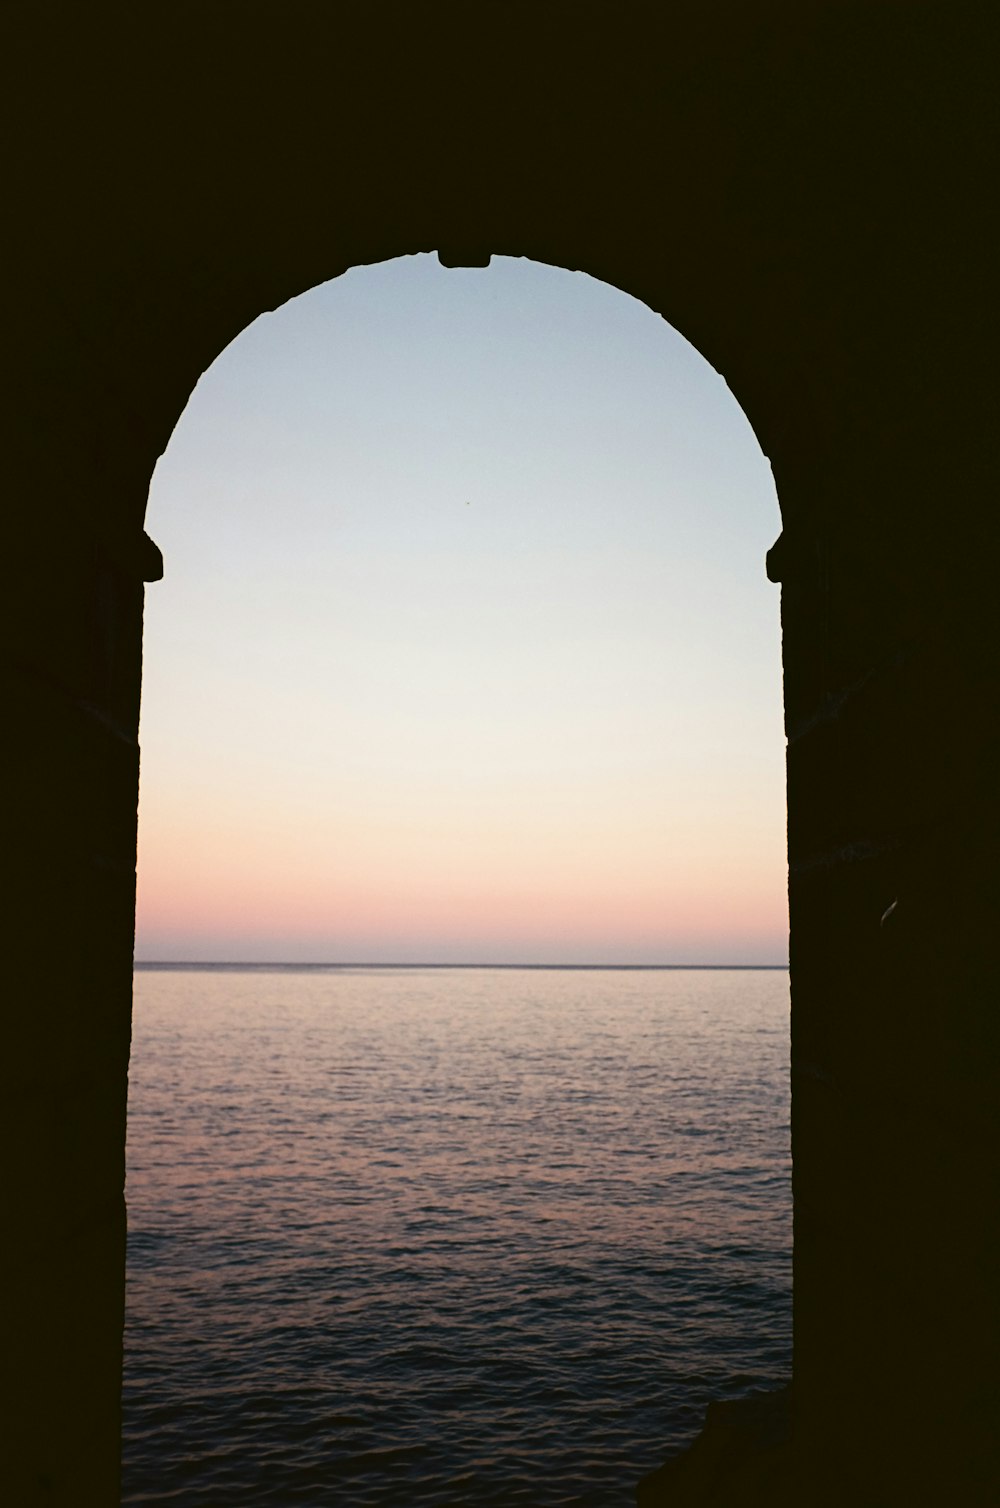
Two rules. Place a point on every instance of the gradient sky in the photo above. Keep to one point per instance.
(464, 649)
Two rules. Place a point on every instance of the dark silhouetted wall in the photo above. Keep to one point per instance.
(803, 190)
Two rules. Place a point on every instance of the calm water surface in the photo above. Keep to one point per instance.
(447, 1237)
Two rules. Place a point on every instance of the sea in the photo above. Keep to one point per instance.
(447, 1236)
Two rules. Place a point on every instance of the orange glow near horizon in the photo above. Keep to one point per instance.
(433, 892)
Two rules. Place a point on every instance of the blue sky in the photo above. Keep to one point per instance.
(465, 649)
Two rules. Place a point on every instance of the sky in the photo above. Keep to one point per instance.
(464, 650)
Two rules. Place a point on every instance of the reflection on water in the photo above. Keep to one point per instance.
(443, 1237)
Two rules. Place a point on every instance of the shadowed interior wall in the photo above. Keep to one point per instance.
(802, 190)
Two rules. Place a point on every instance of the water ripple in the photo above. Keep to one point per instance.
(443, 1239)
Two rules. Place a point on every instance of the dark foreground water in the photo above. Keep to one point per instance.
(428, 1237)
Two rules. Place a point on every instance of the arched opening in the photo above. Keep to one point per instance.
(634, 582)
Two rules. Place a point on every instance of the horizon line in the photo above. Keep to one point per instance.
(276, 963)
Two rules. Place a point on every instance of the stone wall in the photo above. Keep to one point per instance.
(803, 191)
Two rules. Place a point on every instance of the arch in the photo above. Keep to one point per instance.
(627, 503)
(682, 309)
(244, 515)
